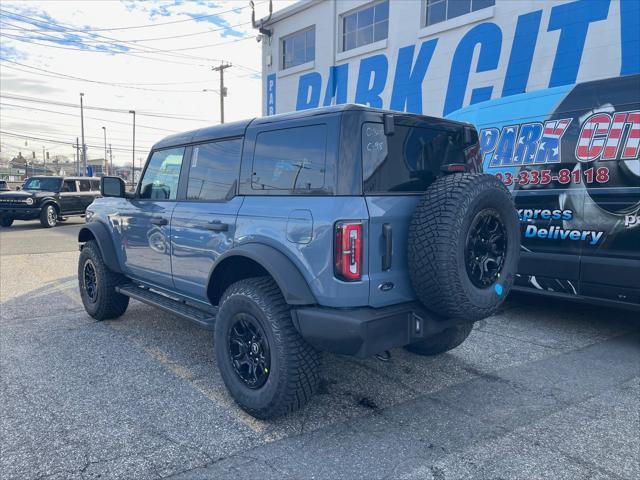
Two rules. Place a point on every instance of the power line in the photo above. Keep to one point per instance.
(103, 109)
(92, 118)
(137, 48)
(120, 139)
(115, 42)
(60, 142)
(51, 74)
(150, 50)
(171, 37)
(162, 23)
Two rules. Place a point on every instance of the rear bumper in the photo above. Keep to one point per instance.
(365, 331)
(20, 213)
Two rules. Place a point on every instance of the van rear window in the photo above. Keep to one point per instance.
(408, 160)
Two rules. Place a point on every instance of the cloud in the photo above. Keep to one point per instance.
(13, 83)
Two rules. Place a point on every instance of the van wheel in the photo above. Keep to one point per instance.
(464, 246)
(98, 285)
(6, 221)
(442, 342)
(49, 216)
(267, 367)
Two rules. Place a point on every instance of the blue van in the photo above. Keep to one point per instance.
(570, 156)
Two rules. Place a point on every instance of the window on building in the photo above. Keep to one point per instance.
(214, 170)
(160, 181)
(366, 25)
(440, 10)
(299, 48)
(291, 159)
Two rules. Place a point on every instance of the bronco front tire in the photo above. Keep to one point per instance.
(6, 221)
(49, 216)
(265, 364)
(98, 285)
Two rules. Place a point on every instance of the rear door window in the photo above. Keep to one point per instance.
(69, 186)
(408, 160)
(214, 170)
(95, 185)
(85, 185)
(291, 159)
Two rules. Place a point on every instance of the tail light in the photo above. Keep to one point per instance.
(348, 251)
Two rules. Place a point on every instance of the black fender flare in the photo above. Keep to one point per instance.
(42, 203)
(287, 276)
(100, 232)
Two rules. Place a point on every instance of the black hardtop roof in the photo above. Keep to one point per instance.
(237, 129)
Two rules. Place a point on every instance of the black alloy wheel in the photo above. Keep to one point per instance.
(90, 281)
(249, 351)
(486, 247)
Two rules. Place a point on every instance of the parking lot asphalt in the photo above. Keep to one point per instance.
(544, 389)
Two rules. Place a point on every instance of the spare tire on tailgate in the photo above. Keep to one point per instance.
(464, 245)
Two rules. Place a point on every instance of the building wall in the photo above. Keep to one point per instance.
(514, 47)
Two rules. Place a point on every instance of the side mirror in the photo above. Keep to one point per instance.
(112, 187)
(18, 187)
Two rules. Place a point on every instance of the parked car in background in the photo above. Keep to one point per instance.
(347, 229)
(4, 186)
(49, 199)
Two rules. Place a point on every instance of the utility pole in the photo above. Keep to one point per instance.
(84, 145)
(223, 90)
(44, 162)
(110, 160)
(77, 157)
(133, 155)
(106, 165)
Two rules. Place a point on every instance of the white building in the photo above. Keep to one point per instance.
(437, 56)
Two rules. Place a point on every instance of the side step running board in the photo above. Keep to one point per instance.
(203, 318)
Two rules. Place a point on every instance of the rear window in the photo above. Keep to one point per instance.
(408, 160)
(291, 159)
(85, 185)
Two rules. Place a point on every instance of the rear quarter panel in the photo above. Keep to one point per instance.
(282, 222)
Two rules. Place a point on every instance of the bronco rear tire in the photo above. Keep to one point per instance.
(442, 342)
(464, 246)
(267, 367)
(98, 285)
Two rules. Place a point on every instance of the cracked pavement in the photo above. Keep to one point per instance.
(544, 389)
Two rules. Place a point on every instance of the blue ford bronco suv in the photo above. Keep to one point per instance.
(344, 229)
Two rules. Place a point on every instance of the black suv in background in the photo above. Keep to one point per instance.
(4, 186)
(48, 199)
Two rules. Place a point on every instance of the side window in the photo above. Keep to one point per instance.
(213, 174)
(85, 185)
(160, 181)
(95, 185)
(69, 186)
(291, 159)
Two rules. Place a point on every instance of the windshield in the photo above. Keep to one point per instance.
(44, 184)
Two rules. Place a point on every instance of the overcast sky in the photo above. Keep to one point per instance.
(42, 42)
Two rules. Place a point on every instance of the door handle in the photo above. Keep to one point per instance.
(217, 226)
(159, 221)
